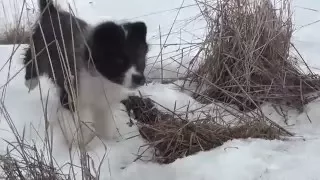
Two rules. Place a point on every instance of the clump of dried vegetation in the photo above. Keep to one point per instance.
(14, 35)
(14, 28)
(247, 61)
(173, 137)
(247, 57)
(32, 166)
(25, 161)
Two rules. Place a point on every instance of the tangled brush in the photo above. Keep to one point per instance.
(247, 57)
(173, 137)
(31, 166)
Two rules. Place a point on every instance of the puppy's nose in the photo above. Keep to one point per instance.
(139, 79)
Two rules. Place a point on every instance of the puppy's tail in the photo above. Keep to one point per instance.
(46, 4)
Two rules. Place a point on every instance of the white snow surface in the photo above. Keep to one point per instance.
(250, 159)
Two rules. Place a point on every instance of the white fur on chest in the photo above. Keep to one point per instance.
(101, 97)
(98, 99)
(95, 90)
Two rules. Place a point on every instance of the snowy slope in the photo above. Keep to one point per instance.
(238, 159)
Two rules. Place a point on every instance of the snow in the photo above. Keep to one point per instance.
(250, 159)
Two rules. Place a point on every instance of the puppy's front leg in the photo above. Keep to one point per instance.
(76, 126)
(105, 124)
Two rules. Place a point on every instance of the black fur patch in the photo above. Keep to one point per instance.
(48, 44)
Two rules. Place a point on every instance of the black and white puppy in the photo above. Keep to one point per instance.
(91, 66)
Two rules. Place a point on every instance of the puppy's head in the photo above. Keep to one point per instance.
(119, 52)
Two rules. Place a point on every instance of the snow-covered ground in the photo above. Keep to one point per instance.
(250, 159)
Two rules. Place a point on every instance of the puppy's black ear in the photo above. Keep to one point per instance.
(108, 35)
(137, 30)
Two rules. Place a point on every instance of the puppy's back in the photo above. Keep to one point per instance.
(57, 40)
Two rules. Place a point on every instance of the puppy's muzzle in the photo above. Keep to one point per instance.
(138, 80)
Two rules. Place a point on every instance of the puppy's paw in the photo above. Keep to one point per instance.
(75, 130)
(31, 83)
(105, 124)
(112, 134)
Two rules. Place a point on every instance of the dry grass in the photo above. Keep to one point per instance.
(33, 166)
(247, 57)
(173, 137)
(15, 35)
(14, 27)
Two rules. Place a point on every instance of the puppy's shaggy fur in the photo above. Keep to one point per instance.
(89, 65)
